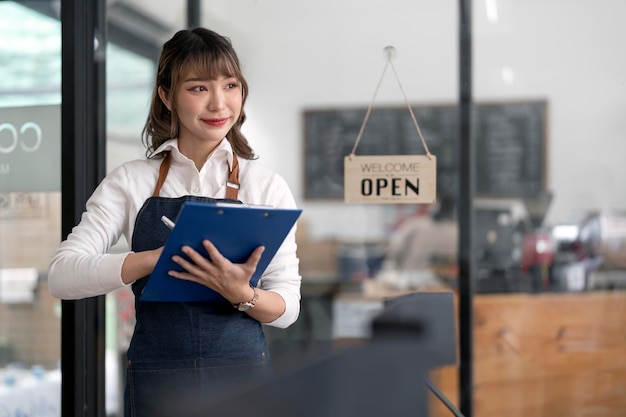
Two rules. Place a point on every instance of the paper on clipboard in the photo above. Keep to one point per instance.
(236, 230)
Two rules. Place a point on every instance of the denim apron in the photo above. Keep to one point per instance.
(186, 353)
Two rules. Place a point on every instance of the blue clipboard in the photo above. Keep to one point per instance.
(235, 229)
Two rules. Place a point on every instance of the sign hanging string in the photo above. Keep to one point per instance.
(389, 52)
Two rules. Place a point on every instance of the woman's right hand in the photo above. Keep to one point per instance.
(139, 264)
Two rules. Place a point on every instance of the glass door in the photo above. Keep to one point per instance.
(30, 201)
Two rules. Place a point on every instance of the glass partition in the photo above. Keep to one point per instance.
(550, 227)
(30, 159)
(547, 325)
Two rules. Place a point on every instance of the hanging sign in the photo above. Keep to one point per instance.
(391, 179)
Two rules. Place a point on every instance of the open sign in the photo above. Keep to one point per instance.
(396, 179)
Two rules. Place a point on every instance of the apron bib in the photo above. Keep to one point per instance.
(183, 352)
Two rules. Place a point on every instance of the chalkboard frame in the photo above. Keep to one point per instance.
(523, 154)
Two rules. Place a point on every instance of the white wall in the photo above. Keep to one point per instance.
(568, 53)
(301, 55)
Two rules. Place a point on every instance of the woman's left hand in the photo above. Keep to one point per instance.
(231, 280)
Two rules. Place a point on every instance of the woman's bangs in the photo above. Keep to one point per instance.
(213, 66)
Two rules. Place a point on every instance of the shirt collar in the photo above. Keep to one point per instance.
(224, 148)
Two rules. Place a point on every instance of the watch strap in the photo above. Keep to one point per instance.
(247, 305)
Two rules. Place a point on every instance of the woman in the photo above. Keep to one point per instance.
(196, 152)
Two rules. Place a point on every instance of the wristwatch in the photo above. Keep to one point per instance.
(248, 305)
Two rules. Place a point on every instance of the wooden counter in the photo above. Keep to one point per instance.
(545, 355)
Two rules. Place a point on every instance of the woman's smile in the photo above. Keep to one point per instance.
(216, 122)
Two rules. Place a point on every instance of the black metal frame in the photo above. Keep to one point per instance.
(466, 211)
(193, 13)
(83, 127)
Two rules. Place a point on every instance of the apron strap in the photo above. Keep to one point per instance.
(163, 170)
(232, 184)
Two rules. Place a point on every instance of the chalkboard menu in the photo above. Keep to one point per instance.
(510, 144)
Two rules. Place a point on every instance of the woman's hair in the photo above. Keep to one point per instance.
(207, 54)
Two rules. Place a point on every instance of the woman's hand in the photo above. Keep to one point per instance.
(230, 280)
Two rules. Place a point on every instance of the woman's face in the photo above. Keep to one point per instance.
(207, 109)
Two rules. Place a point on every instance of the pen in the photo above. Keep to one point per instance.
(166, 221)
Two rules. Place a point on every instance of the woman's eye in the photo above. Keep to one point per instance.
(232, 85)
(198, 88)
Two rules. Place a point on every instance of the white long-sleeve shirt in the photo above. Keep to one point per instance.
(82, 266)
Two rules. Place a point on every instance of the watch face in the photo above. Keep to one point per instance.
(245, 306)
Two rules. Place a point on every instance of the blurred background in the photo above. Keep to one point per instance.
(549, 93)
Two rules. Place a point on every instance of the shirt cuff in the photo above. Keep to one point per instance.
(111, 272)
